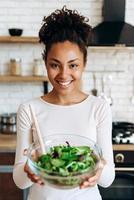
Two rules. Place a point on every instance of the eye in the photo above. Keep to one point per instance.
(54, 65)
(73, 66)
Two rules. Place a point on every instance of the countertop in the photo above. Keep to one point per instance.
(8, 143)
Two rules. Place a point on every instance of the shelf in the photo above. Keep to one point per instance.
(35, 39)
(118, 47)
(23, 78)
(18, 39)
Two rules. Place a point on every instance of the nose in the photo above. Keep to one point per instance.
(64, 72)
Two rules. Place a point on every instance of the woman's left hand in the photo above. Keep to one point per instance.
(92, 181)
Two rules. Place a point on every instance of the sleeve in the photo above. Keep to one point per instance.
(104, 139)
(24, 139)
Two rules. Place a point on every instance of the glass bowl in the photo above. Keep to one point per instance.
(73, 172)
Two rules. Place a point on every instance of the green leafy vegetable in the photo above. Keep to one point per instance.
(66, 160)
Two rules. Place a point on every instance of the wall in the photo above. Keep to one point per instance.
(116, 63)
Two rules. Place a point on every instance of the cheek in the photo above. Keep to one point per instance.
(51, 75)
(49, 72)
(78, 74)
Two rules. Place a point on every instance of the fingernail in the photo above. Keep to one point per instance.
(39, 181)
(90, 180)
(86, 183)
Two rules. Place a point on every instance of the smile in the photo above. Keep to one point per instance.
(64, 83)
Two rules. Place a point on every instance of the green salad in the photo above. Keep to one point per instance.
(66, 160)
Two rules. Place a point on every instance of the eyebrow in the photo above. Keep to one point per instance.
(60, 62)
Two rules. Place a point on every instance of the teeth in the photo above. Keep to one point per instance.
(65, 83)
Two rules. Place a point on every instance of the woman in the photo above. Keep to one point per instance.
(66, 109)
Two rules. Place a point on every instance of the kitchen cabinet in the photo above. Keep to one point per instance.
(8, 189)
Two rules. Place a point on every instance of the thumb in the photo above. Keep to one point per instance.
(25, 152)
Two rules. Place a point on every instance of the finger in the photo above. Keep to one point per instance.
(86, 184)
(39, 181)
(27, 170)
(25, 152)
(91, 181)
(32, 179)
(35, 179)
(34, 155)
(96, 176)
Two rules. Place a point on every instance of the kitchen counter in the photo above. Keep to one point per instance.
(7, 143)
(7, 158)
(120, 147)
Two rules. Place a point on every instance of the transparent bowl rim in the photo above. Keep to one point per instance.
(50, 136)
(47, 137)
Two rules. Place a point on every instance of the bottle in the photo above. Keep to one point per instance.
(15, 66)
(37, 67)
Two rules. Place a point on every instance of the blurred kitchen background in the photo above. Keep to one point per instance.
(110, 70)
(115, 64)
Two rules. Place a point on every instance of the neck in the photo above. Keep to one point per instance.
(68, 99)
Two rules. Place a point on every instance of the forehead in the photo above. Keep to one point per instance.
(64, 50)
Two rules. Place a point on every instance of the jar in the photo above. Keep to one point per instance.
(5, 118)
(12, 118)
(15, 66)
(8, 123)
(37, 67)
(8, 129)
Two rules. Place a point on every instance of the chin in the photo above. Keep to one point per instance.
(64, 93)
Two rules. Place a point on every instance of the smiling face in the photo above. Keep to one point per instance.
(65, 64)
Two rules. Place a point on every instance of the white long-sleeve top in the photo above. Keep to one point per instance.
(90, 118)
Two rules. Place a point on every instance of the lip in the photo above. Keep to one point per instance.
(64, 84)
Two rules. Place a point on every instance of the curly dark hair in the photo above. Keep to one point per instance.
(63, 25)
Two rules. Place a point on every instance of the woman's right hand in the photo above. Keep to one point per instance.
(33, 177)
